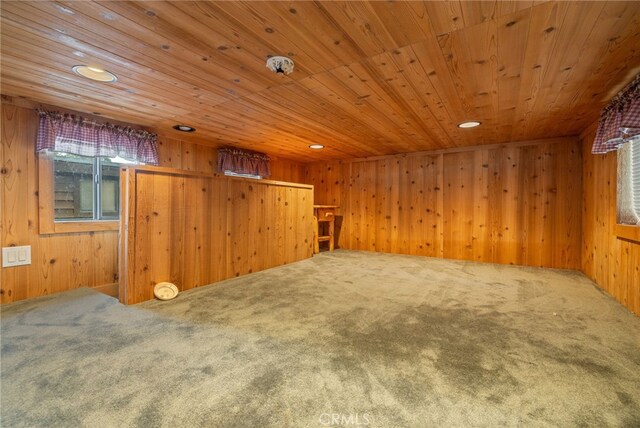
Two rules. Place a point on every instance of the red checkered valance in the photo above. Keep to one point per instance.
(619, 120)
(243, 162)
(76, 135)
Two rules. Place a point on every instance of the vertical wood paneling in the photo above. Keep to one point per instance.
(224, 229)
(127, 235)
(65, 261)
(613, 263)
(240, 195)
(170, 153)
(286, 170)
(280, 225)
(572, 219)
(481, 236)
(357, 209)
(58, 262)
(383, 208)
(142, 226)
(333, 182)
(458, 205)
(174, 153)
(288, 209)
(508, 230)
(176, 231)
(406, 208)
(512, 204)
(633, 289)
(160, 227)
(220, 239)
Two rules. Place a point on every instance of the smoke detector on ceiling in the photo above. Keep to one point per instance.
(280, 64)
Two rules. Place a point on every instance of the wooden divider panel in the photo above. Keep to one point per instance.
(195, 229)
(64, 261)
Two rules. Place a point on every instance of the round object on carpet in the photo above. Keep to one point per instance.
(165, 291)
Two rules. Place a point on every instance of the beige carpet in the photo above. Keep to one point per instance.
(341, 339)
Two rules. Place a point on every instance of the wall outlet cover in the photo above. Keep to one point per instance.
(16, 256)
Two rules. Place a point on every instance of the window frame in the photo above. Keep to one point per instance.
(629, 232)
(46, 213)
(230, 173)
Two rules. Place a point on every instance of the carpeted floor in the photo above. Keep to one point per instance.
(343, 339)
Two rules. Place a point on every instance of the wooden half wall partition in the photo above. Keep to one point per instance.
(73, 259)
(194, 229)
(516, 203)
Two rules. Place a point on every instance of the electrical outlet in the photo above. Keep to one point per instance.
(16, 256)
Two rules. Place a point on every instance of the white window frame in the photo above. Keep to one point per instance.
(627, 207)
(46, 194)
(235, 174)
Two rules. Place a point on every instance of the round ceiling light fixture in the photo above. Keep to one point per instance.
(316, 146)
(184, 128)
(280, 64)
(94, 73)
(470, 124)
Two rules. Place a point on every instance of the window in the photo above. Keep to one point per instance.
(628, 190)
(78, 172)
(235, 174)
(635, 174)
(243, 163)
(85, 188)
(78, 193)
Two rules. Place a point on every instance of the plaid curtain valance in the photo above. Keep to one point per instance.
(84, 137)
(619, 120)
(243, 162)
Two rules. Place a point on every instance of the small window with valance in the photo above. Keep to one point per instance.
(80, 169)
(243, 163)
(619, 130)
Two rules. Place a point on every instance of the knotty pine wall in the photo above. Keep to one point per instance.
(613, 263)
(196, 229)
(65, 261)
(517, 203)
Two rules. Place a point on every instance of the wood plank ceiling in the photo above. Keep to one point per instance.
(371, 78)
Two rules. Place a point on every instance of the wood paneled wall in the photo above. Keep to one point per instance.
(65, 261)
(195, 229)
(180, 154)
(516, 204)
(612, 262)
(58, 262)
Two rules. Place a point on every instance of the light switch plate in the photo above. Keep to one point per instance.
(16, 256)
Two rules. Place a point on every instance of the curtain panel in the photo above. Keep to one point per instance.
(84, 137)
(619, 120)
(243, 162)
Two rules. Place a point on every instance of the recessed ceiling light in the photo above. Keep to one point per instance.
(316, 146)
(470, 124)
(94, 73)
(184, 128)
